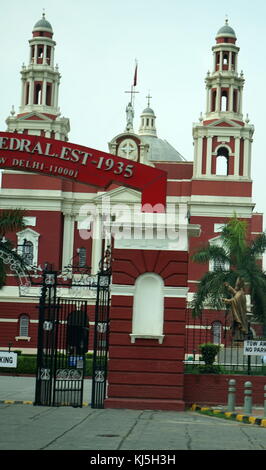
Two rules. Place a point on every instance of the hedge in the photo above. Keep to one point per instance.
(27, 364)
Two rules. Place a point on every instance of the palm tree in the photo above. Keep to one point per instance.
(237, 257)
(11, 220)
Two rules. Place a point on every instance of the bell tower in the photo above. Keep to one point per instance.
(222, 139)
(39, 113)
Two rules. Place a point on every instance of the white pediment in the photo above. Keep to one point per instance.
(119, 195)
(33, 115)
(28, 232)
(220, 122)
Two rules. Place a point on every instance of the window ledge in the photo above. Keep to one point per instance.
(134, 336)
(23, 338)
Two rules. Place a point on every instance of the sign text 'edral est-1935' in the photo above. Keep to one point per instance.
(82, 164)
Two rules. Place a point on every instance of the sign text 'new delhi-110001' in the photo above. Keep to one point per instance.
(82, 164)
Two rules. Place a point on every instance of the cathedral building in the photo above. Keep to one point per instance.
(203, 194)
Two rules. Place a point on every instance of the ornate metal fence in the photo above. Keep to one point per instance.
(230, 357)
(62, 345)
(63, 339)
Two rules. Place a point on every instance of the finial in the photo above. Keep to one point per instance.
(201, 117)
(226, 20)
(149, 98)
(12, 112)
(43, 13)
(247, 119)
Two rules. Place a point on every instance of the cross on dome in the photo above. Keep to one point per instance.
(148, 98)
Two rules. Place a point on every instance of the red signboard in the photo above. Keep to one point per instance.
(82, 164)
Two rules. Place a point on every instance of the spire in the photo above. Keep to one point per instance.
(130, 106)
(147, 123)
(39, 110)
(224, 85)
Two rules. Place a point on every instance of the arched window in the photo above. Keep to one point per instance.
(224, 101)
(215, 265)
(225, 58)
(37, 93)
(235, 100)
(216, 332)
(222, 161)
(27, 242)
(27, 252)
(148, 307)
(24, 325)
(82, 257)
(213, 103)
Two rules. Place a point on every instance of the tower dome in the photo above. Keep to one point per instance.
(226, 31)
(43, 25)
(147, 126)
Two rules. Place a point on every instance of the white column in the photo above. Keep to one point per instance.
(208, 99)
(249, 158)
(214, 61)
(240, 100)
(68, 239)
(55, 90)
(209, 156)
(195, 167)
(52, 57)
(231, 91)
(31, 91)
(199, 156)
(246, 157)
(218, 98)
(221, 61)
(44, 88)
(23, 91)
(44, 54)
(230, 61)
(237, 155)
(35, 54)
(96, 254)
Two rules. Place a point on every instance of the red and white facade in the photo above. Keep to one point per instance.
(153, 278)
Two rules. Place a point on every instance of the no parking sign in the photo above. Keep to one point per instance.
(8, 359)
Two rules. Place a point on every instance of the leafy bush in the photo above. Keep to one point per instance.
(208, 352)
(27, 364)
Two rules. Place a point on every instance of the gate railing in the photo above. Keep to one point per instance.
(101, 340)
(63, 340)
(230, 357)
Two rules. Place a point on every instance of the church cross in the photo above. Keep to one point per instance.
(127, 149)
(148, 98)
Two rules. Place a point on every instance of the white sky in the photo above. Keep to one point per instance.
(97, 44)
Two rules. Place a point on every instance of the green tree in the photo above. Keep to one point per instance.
(235, 257)
(10, 221)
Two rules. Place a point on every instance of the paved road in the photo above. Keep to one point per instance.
(29, 427)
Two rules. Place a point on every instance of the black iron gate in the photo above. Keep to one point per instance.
(101, 340)
(63, 343)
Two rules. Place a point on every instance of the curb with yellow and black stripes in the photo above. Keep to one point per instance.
(247, 419)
